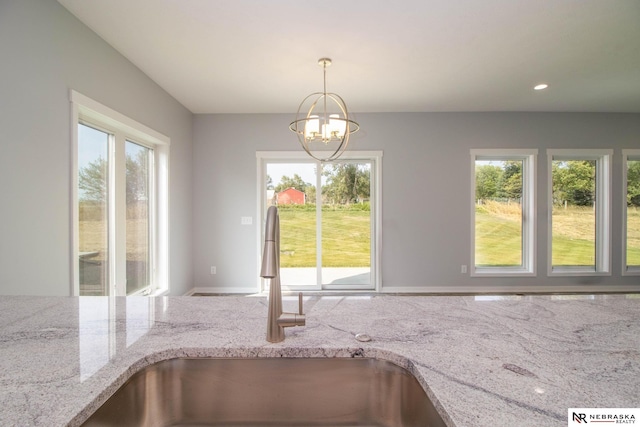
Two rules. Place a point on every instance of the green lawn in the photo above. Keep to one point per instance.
(633, 236)
(574, 241)
(498, 240)
(346, 243)
(347, 237)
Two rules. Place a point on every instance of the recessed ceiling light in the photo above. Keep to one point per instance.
(541, 86)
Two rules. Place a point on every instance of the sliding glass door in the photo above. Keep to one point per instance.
(328, 238)
(346, 224)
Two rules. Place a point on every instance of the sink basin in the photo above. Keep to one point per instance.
(269, 392)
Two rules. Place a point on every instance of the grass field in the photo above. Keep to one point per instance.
(93, 240)
(498, 240)
(633, 236)
(93, 232)
(346, 238)
(498, 236)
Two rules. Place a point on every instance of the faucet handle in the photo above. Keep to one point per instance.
(292, 319)
(300, 311)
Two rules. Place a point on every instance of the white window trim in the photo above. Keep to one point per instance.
(603, 210)
(529, 244)
(627, 270)
(375, 157)
(85, 109)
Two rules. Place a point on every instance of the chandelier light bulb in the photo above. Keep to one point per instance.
(311, 127)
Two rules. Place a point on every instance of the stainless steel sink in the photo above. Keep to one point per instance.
(269, 392)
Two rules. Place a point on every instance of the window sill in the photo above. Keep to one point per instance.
(576, 271)
(161, 292)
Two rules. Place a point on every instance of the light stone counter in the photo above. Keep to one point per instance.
(484, 361)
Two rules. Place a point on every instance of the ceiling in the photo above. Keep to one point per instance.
(258, 56)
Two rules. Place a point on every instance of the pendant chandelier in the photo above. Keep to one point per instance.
(322, 122)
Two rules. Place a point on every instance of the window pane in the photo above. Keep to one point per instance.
(574, 213)
(346, 223)
(93, 250)
(291, 186)
(633, 213)
(138, 220)
(498, 213)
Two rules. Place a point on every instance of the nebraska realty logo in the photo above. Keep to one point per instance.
(599, 416)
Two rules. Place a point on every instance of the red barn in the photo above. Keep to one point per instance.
(291, 196)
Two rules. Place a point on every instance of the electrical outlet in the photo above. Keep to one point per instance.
(463, 269)
(213, 270)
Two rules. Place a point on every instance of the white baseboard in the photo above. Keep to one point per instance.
(445, 289)
(507, 290)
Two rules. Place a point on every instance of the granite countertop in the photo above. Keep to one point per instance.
(484, 361)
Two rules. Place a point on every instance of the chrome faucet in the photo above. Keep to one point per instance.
(276, 319)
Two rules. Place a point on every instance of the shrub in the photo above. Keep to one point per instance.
(311, 207)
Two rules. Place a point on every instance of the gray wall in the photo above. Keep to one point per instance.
(44, 52)
(426, 159)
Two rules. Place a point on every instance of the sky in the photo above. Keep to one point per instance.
(92, 145)
(307, 171)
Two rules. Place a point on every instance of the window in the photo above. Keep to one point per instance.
(119, 203)
(503, 212)
(579, 211)
(328, 237)
(631, 209)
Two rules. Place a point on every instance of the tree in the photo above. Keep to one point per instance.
(510, 183)
(633, 183)
(310, 194)
(574, 182)
(92, 181)
(487, 181)
(296, 182)
(347, 183)
(137, 177)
